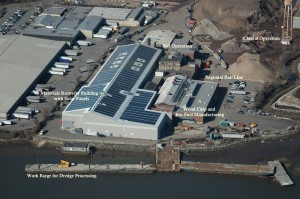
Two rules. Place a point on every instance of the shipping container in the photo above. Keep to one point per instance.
(224, 123)
(240, 124)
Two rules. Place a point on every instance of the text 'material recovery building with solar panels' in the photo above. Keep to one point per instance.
(112, 103)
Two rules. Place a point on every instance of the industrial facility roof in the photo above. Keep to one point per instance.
(74, 17)
(91, 23)
(22, 60)
(110, 13)
(114, 89)
(135, 14)
(48, 20)
(55, 34)
(182, 92)
(160, 38)
(56, 11)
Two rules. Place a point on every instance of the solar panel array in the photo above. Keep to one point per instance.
(105, 76)
(125, 81)
(85, 98)
(135, 111)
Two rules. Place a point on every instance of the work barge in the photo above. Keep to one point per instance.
(169, 160)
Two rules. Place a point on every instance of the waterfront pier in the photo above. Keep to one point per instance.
(280, 175)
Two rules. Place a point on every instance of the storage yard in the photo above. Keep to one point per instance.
(193, 98)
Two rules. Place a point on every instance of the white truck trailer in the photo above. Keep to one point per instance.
(83, 43)
(67, 58)
(35, 99)
(52, 72)
(238, 92)
(7, 122)
(58, 69)
(21, 115)
(71, 52)
(45, 87)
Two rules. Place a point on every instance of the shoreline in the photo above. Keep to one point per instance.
(151, 149)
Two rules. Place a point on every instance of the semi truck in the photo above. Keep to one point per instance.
(45, 87)
(68, 58)
(62, 65)
(83, 43)
(28, 109)
(8, 122)
(35, 99)
(36, 92)
(63, 60)
(21, 115)
(58, 69)
(52, 72)
(71, 52)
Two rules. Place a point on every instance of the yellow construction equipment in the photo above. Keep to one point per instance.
(116, 29)
(253, 125)
(64, 164)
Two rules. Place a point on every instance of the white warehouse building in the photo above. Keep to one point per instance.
(112, 103)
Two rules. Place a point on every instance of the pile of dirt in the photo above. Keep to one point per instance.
(250, 68)
(232, 14)
(232, 46)
(206, 27)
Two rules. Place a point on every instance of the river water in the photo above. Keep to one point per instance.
(15, 184)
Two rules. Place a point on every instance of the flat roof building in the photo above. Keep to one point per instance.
(48, 21)
(22, 62)
(187, 99)
(110, 13)
(113, 103)
(159, 38)
(123, 16)
(54, 34)
(54, 11)
(90, 25)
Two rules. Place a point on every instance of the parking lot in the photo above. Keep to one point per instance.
(17, 19)
(238, 108)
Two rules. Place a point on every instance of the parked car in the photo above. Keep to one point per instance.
(43, 131)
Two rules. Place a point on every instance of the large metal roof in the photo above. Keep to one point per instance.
(110, 13)
(117, 82)
(54, 11)
(182, 92)
(22, 61)
(91, 23)
(137, 110)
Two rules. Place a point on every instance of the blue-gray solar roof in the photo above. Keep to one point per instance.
(85, 98)
(125, 81)
(117, 82)
(108, 71)
(137, 111)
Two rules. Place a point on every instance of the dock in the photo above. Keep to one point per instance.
(93, 168)
(168, 159)
(280, 175)
(238, 169)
